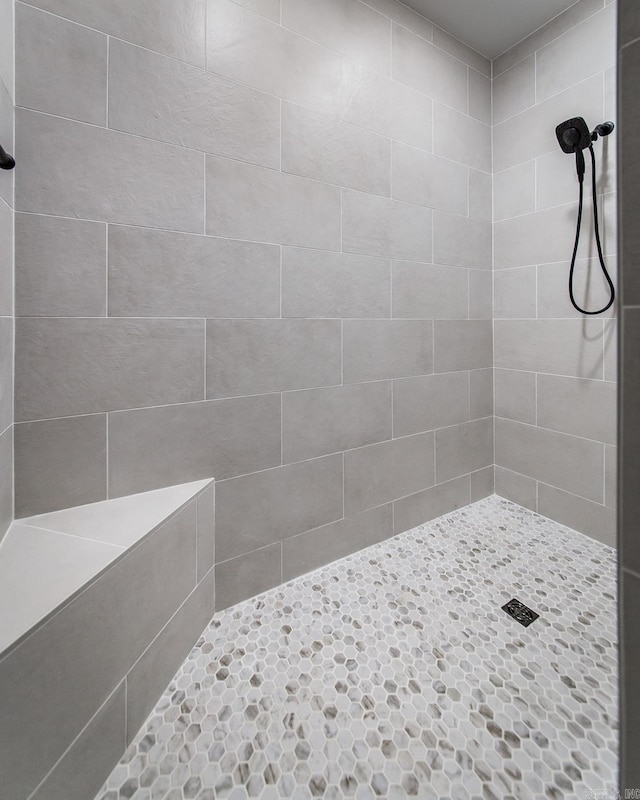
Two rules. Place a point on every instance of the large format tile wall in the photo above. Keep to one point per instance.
(555, 369)
(629, 499)
(6, 269)
(254, 241)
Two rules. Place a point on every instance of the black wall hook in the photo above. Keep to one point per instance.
(6, 161)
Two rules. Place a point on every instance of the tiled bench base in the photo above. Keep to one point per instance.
(99, 605)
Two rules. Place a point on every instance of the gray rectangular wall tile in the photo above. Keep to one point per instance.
(248, 575)
(156, 447)
(68, 169)
(60, 463)
(151, 95)
(249, 202)
(61, 68)
(580, 407)
(316, 283)
(255, 356)
(514, 191)
(160, 25)
(514, 293)
(430, 402)
(517, 488)
(461, 241)
(327, 149)
(461, 138)
(386, 107)
(427, 180)
(480, 194)
(482, 483)
(462, 344)
(429, 292)
(381, 349)
(387, 471)
(60, 267)
(516, 395)
(594, 519)
(150, 675)
(481, 393)
(165, 274)
(266, 8)
(314, 497)
(480, 294)
(405, 16)
(377, 226)
(464, 448)
(445, 41)
(546, 236)
(320, 421)
(611, 370)
(419, 64)
(574, 465)
(259, 53)
(561, 347)
(90, 759)
(92, 642)
(308, 551)
(118, 363)
(586, 49)
(480, 96)
(348, 26)
(514, 90)
(431, 503)
(589, 287)
(555, 185)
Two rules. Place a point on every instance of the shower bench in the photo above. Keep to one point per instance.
(99, 605)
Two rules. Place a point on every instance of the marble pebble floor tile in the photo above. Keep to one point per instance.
(394, 673)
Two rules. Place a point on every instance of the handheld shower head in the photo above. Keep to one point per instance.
(573, 135)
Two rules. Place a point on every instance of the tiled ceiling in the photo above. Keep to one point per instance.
(490, 26)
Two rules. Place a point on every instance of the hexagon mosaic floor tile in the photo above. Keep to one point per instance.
(395, 673)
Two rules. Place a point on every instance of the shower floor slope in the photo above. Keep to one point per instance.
(394, 673)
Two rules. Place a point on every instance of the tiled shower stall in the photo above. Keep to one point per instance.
(317, 251)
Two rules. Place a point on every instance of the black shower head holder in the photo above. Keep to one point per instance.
(574, 134)
(604, 129)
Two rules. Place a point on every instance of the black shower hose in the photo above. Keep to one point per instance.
(598, 243)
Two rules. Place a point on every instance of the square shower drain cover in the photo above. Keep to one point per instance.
(521, 613)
